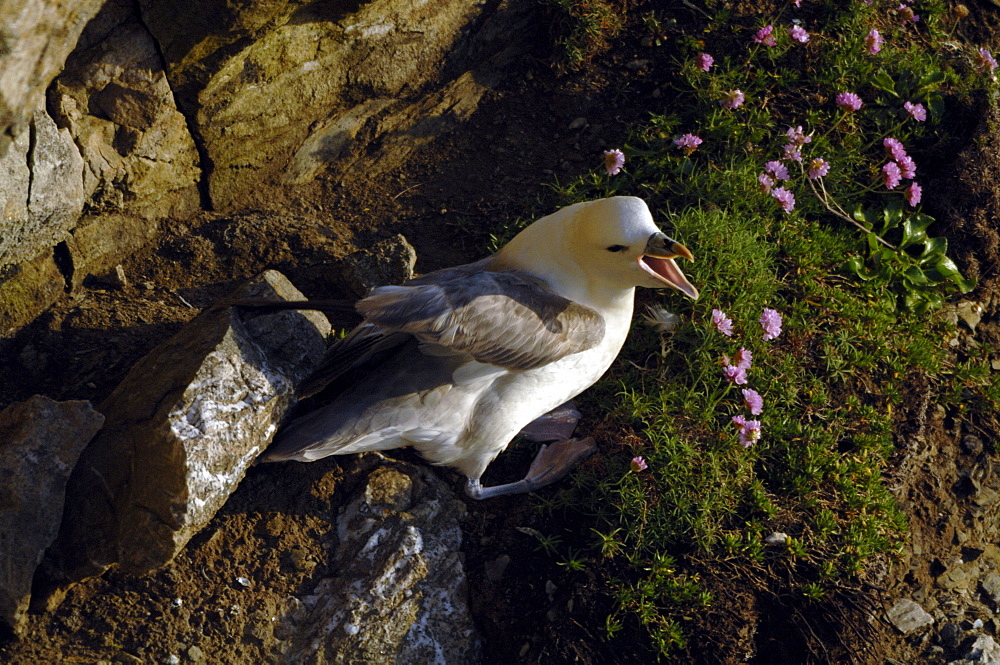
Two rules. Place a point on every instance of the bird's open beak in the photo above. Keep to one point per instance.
(658, 261)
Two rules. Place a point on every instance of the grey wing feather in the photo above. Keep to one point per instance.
(509, 319)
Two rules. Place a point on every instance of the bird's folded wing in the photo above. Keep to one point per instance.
(508, 319)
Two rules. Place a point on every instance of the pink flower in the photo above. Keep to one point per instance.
(907, 14)
(688, 143)
(907, 167)
(732, 99)
(918, 111)
(766, 182)
(743, 359)
(894, 148)
(797, 136)
(777, 169)
(984, 61)
(705, 62)
(735, 374)
(765, 36)
(848, 101)
(912, 194)
(770, 321)
(749, 430)
(873, 42)
(892, 175)
(818, 168)
(614, 160)
(722, 322)
(798, 33)
(753, 401)
(784, 197)
(793, 153)
(638, 464)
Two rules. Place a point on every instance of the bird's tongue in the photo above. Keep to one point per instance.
(668, 271)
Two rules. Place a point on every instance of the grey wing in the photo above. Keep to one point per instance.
(507, 319)
(363, 345)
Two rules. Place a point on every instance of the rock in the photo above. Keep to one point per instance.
(37, 36)
(40, 441)
(907, 616)
(28, 289)
(182, 429)
(970, 313)
(293, 84)
(399, 595)
(983, 651)
(98, 244)
(776, 539)
(972, 444)
(990, 584)
(949, 635)
(115, 100)
(497, 567)
(388, 262)
(41, 190)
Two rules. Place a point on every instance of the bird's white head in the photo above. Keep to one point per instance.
(613, 242)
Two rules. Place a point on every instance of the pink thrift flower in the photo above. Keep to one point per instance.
(907, 167)
(912, 194)
(732, 99)
(918, 111)
(798, 33)
(735, 374)
(766, 182)
(765, 36)
(784, 197)
(749, 430)
(722, 322)
(638, 464)
(793, 153)
(688, 143)
(818, 168)
(984, 61)
(614, 160)
(743, 359)
(907, 14)
(754, 402)
(892, 175)
(705, 62)
(873, 42)
(848, 101)
(894, 148)
(770, 321)
(797, 136)
(777, 169)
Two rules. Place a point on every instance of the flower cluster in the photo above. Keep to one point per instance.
(984, 61)
(848, 101)
(705, 61)
(900, 166)
(735, 370)
(688, 143)
(873, 42)
(776, 170)
(732, 99)
(638, 464)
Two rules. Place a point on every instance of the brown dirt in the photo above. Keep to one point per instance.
(275, 530)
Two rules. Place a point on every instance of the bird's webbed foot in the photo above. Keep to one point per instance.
(552, 463)
(556, 425)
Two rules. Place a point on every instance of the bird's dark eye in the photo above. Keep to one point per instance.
(617, 248)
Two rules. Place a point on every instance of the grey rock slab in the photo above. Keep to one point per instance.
(40, 442)
(399, 594)
(37, 36)
(907, 616)
(182, 429)
(983, 651)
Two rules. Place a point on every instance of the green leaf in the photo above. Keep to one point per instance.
(933, 249)
(883, 81)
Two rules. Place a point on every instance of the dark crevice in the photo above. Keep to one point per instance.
(64, 262)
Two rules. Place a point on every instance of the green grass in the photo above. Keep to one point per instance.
(859, 318)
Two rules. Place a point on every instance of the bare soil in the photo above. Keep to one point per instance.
(271, 541)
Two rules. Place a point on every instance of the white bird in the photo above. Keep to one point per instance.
(455, 363)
